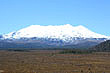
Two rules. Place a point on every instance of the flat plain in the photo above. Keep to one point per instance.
(51, 61)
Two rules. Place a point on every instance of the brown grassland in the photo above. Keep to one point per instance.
(51, 61)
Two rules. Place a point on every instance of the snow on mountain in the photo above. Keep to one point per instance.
(60, 31)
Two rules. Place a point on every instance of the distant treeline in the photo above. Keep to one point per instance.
(76, 51)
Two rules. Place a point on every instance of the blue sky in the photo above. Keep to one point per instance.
(17, 14)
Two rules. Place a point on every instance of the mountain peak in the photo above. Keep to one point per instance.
(67, 25)
(80, 26)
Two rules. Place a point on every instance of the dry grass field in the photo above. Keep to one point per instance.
(51, 61)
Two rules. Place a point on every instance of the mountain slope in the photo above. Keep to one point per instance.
(104, 46)
(61, 36)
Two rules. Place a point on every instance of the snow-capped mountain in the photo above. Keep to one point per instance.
(63, 36)
(61, 32)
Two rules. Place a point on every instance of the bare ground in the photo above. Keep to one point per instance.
(50, 61)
